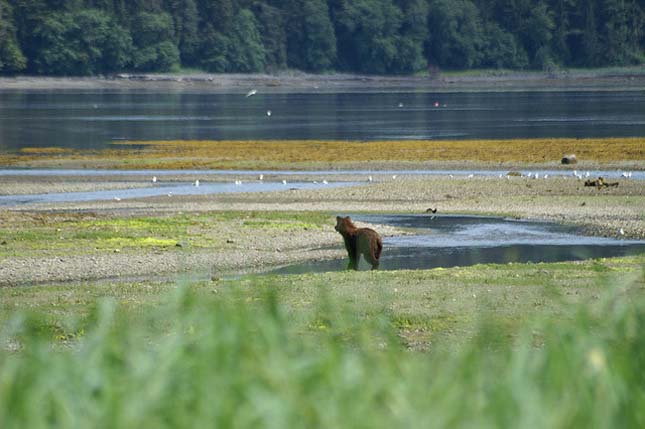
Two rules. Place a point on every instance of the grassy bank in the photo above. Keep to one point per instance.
(555, 345)
(422, 306)
(302, 154)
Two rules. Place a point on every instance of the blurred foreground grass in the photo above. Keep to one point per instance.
(330, 350)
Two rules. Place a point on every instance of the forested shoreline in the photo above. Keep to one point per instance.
(98, 37)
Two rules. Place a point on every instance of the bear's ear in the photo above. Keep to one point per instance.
(338, 218)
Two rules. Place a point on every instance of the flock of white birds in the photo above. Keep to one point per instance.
(370, 179)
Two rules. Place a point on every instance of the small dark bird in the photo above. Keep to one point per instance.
(431, 210)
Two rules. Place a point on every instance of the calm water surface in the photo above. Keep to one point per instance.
(92, 119)
(448, 241)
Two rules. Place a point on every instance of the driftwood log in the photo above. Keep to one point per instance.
(600, 183)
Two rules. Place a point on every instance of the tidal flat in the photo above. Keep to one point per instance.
(67, 241)
(157, 312)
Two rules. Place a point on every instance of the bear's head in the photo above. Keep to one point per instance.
(344, 224)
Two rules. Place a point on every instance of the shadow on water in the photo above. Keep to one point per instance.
(449, 241)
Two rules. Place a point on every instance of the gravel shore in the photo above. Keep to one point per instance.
(626, 78)
(561, 199)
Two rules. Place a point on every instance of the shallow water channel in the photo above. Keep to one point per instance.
(449, 241)
(168, 189)
(249, 184)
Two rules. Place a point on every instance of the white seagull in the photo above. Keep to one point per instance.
(251, 93)
(154, 179)
(325, 182)
(261, 177)
(284, 182)
(197, 182)
(268, 113)
(369, 178)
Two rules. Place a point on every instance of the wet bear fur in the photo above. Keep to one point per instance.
(359, 241)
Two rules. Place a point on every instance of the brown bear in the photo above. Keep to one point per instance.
(359, 241)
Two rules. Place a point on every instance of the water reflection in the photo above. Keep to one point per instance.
(92, 119)
(449, 241)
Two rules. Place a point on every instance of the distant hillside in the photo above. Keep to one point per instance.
(91, 37)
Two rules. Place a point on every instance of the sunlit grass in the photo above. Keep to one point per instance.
(52, 150)
(42, 233)
(271, 154)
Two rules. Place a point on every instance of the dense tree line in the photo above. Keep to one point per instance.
(88, 37)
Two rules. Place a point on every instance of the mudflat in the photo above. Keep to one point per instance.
(232, 233)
